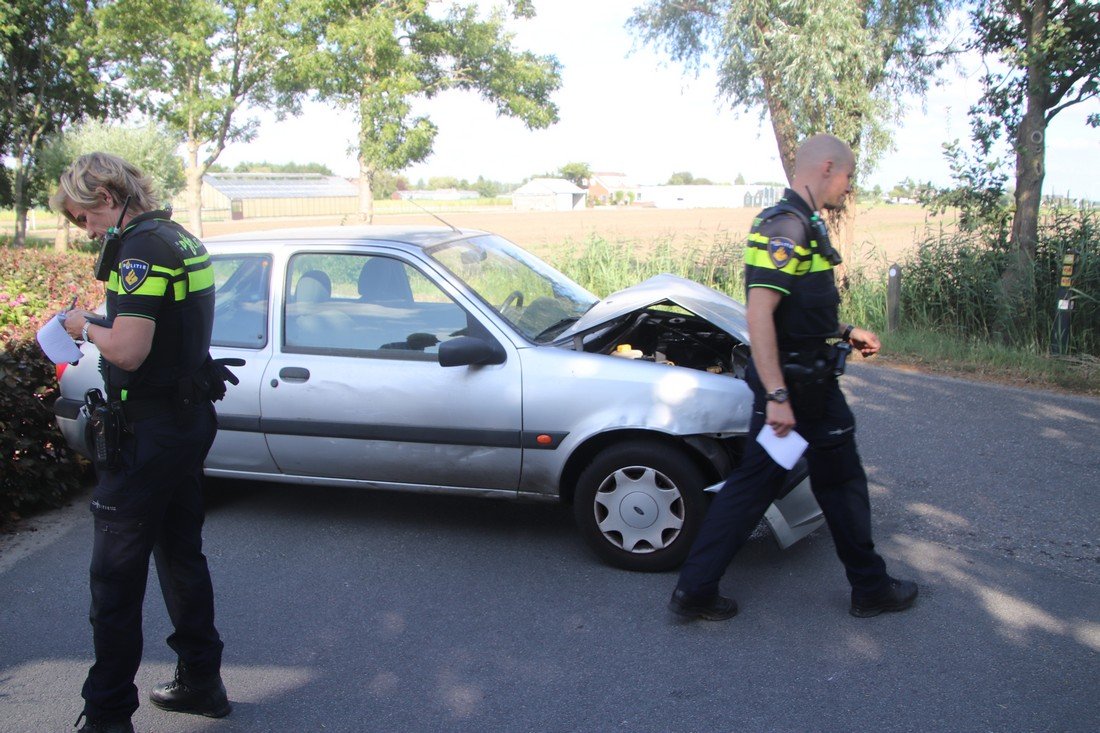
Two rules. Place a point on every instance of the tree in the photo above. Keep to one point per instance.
(1048, 59)
(376, 57)
(682, 178)
(193, 64)
(265, 167)
(577, 173)
(740, 180)
(49, 81)
(839, 66)
(148, 147)
(820, 65)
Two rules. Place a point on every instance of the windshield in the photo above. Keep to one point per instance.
(536, 299)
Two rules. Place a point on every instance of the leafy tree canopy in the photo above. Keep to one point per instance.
(839, 66)
(577, 173)
(377, 57)
(265, 167)
(49, 77)
(149, 147)
(193, 64)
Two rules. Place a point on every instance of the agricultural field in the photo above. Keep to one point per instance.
(883, 232)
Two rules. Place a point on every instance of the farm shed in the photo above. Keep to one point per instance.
(548, 194)
(258, 195)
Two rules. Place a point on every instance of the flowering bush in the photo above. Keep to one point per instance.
(36, 467)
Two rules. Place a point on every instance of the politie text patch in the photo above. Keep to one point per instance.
(780, 249)
(132, 273)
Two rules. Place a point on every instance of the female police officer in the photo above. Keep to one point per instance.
(792, 311)
(160, 424)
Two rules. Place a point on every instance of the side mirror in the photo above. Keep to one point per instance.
(470, 351)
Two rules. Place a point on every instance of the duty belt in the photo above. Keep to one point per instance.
(808, 367)
(135, 410)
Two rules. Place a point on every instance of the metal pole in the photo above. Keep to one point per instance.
(1063, 313)
(893, 298)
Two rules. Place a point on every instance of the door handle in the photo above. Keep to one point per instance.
(294, 374)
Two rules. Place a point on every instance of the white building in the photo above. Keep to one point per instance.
(709, 197)
(548, 194)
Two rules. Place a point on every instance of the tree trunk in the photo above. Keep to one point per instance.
(786, 135)
(194, 188)
(61, 234)
(366, 191)
(1031, 136)
(20, 237)
(1018, 281)
(844, 227)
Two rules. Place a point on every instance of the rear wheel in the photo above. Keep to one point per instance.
(639, 505)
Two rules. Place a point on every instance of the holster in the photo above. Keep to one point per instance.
(815, 367)
(103, 430)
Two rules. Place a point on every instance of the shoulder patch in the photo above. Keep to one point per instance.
(780, 249)
(132, 273)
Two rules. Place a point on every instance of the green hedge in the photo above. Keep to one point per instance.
(37, 469)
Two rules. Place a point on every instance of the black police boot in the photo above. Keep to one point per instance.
(715, 608)
(102, 726)
(897, 596)
(187, 693)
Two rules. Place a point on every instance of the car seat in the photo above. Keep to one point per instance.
(313, 286)
(385, 282)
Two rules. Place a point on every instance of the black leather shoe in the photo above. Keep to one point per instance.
(716, 608)
(185, 695)
(898, 596)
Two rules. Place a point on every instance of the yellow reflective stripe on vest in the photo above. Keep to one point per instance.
(805, 259)
(756, 255)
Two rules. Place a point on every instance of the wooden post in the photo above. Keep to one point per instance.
(893, 298)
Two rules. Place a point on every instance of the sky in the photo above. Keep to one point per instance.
(626, 108)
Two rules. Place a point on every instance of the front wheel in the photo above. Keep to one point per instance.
(639, 505)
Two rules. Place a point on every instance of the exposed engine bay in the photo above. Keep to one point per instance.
(669, 337)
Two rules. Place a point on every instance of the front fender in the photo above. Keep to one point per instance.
(608, 394)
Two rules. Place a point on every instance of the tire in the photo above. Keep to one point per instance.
(639, 505)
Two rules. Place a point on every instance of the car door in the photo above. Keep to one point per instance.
(242, 330)
(354, 389)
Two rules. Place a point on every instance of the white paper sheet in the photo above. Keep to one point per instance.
(786, 450)
(56, 343)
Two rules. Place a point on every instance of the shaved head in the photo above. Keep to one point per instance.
(823, 170)
(821, 149)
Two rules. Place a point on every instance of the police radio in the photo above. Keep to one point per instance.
(108, 254)
(821, 234)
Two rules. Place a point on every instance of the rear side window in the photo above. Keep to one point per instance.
(241, 287)
(366, 305)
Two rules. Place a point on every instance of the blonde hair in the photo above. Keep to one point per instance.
(81, 182)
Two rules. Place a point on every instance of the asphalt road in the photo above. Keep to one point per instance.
(359, 611)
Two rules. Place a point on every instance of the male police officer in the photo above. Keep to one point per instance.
(155, 428)
(792, 311)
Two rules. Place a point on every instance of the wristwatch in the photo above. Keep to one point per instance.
(779, 395)
(84, 333)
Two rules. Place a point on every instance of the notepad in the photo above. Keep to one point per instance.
(56, 343)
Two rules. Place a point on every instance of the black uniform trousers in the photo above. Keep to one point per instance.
(152, 504)
(836, 477)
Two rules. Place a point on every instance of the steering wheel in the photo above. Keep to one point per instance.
(515, 298)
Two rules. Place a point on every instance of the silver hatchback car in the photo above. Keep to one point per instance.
(431, 359)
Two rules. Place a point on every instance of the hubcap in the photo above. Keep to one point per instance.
(639, 509)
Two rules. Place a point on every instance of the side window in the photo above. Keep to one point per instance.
(241, 287)
(366, 305)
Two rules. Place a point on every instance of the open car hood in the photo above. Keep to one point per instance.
(721, 310)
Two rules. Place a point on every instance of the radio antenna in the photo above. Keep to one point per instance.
(432, 213)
